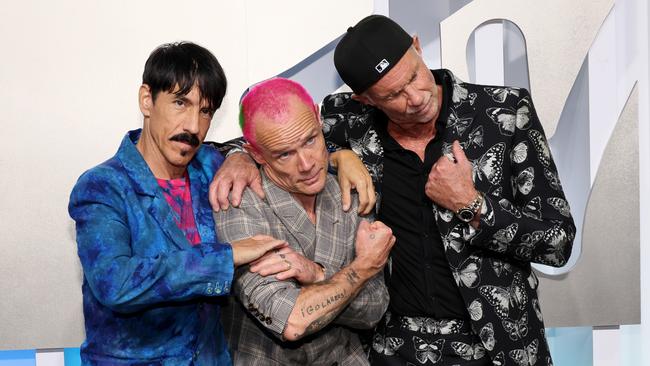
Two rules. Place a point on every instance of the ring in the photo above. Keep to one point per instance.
(452, 159)
(288, 264)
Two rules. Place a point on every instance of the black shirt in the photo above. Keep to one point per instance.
(421, 282)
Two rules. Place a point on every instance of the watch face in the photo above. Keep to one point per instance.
(466, 215)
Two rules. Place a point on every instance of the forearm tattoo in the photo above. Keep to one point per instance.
(320, 323)
(340, 298)
(352, 277)
(311, 308)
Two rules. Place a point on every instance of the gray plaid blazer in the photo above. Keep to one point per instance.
(257, 315)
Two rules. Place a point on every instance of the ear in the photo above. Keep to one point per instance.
(416, 45)
(145, 99)
(252, 151)
(363, 99)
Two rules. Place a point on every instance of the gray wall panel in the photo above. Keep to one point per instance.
(604, 287)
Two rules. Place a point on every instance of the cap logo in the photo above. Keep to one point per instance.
(382, 65)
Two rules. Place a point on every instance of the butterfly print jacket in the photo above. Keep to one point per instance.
(525, 216)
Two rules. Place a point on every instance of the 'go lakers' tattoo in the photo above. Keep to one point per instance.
(309, 309)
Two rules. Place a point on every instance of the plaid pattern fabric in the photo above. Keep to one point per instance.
(254, 322)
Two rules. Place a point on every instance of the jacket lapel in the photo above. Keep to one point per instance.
(145, 184)
(329, 219)
(203, 217)
(291, 214)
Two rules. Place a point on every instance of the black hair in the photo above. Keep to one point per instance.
(183, 65)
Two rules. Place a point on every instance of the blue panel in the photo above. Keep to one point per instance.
(571, 346)
(71, 357)
(18, 358)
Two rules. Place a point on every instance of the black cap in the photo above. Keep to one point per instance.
(369, 50)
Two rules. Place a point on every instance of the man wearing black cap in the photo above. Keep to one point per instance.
(469, 187)
(467, 183)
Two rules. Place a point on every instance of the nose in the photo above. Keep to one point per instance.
(305, 161)
(192, 122)
(413, 96)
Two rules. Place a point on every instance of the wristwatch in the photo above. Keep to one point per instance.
(467, 213)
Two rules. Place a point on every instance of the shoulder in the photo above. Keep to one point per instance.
(497, 95)
(104, 183)
(482, 94)
(208, 159)
(111, 172)
(342, 103)
(333, 192)
(251, 199)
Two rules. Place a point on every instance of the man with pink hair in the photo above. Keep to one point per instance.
(299, 305)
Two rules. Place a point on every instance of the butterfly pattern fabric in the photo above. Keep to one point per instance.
(525, 216)
(386, 345)
(431, 326)
(401, 340)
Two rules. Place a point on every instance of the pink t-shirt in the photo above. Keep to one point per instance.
(179, 197)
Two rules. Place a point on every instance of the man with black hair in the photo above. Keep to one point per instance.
(153, 265)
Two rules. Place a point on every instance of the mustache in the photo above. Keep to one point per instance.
(187, 138)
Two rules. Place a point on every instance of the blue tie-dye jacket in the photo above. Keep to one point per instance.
(150, 298)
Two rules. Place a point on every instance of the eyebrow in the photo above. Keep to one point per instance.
(183, 98)
(202, 105)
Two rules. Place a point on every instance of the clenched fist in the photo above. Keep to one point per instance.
(373, 244)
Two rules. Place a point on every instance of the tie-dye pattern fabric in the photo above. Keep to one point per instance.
(179, 198)
(149, 296)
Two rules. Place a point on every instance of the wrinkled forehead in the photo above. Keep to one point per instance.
(287, 125)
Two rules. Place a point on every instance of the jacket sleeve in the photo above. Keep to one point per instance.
(228, 147)
(536, 226)
(334, 116)
(267, 299)
(124, 281)
(348, 124)
(367, 308)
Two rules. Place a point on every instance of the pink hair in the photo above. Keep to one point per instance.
(271, 98)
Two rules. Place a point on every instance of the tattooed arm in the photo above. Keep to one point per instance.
(276, 304)
(318, 304)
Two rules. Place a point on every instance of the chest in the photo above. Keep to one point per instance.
(330, 241)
